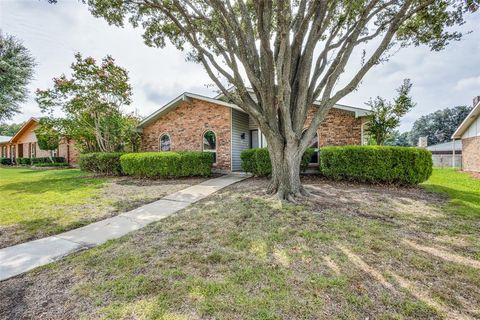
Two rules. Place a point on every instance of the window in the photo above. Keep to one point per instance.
(210, 144)
(33, 152)
(314, 144)
(164, 142)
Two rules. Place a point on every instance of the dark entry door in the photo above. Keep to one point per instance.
(20, 150)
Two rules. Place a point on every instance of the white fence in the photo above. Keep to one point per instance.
(445, 160)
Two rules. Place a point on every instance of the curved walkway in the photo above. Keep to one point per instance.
(18, 259)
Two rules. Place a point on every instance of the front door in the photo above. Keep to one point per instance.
(20, 150)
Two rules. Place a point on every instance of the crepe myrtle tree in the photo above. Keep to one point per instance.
(290, 53)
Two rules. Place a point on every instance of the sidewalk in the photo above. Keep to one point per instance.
(18, 259)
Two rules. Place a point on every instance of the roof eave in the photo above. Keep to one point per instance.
(186, 96)
(467, 122)
(23, 128)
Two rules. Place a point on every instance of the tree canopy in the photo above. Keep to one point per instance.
(9, 129)
(92, 100)
(438, 126)
(289, 53)
(48, 137)
(16, 71)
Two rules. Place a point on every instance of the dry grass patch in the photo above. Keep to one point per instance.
(241, 255)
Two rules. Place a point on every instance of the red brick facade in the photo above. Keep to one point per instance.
(339, 128)
(186, 125)
(187, 122)
(471, 154)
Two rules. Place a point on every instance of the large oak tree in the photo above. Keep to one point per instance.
(290, 53)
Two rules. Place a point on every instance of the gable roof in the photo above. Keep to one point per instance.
(24, 128)
(359, 112)
(186, 96)
(467, 122)
(446, 146)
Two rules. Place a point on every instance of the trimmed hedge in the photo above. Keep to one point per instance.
(257, 161)
(103, 163)
(376, 164)
(6, 161)
(23, 161)
(167, 164)
(34, 161)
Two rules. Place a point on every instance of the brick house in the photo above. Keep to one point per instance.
(192, 122)
(469, 133)
(24, 145)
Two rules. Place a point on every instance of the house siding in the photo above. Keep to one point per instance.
(186, 125)
(471, 154)
(240, 125)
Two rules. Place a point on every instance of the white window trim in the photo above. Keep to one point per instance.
(160, 141)
(216, 144)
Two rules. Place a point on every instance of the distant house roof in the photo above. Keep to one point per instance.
(24, 128)
(472, 116)
(4, 139)
(446, 147)
(359, 112)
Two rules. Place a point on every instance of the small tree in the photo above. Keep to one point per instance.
(386, 115)
(91, 100)
(131, 137)
(16, 71)
(48, 138)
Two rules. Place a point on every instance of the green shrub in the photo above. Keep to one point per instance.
(257, 161)
(103, 163)
(376, 164)
(23, 161)
(6, 161)
(167, 164)
(35, 161)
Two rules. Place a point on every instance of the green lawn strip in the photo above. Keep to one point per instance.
(37, 203)
(462, 189)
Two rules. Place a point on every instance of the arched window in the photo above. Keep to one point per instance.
(164, 142)
(210, 143)
(314, 145)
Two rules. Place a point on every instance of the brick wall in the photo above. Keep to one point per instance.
(340, 127)
(186, 125)
(471, 154)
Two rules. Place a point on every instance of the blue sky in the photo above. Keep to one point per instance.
(53, 33)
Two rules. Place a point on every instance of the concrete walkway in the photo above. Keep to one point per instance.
(26, 256)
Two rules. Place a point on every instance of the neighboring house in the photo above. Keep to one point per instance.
(192, 122)
(469, 133)
(442, 154)
(24, 145)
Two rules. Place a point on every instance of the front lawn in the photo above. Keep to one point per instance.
(462, 188)
(38, 203)
(352, 251)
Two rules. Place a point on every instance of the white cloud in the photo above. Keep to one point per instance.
(468, 83)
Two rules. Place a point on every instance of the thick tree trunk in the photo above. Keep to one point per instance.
(285, 182)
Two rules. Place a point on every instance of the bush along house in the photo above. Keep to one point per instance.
(24, 145)
(192, 122)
